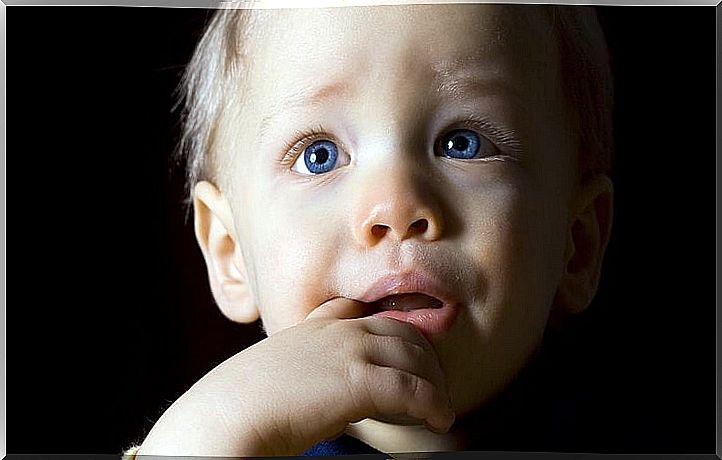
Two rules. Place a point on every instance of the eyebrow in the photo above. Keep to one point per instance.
(455, 78)
(458, 77)
(306, 97)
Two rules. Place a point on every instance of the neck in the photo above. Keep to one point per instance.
(392, 438)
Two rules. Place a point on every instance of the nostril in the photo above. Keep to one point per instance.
(420, 226)
(378, 231)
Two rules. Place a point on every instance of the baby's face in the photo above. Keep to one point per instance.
(392, 149)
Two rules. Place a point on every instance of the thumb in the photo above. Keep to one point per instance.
(339, 308)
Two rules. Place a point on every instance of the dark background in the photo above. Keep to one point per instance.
(109, 315)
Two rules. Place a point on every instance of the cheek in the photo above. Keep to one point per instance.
(506, 237)
(291, 250)
(516, 251)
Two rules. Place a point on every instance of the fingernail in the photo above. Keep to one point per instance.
(452, 416)
(433, 428)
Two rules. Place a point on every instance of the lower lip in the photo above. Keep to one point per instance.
(429, 321)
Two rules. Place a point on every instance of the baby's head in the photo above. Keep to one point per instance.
(457, 151)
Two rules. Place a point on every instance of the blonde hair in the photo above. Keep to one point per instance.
(219, 55)
(216, 63)
(588, 84)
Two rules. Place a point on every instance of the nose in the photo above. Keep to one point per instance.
(397, 206)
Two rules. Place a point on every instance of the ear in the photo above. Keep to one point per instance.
(587, 238)
(215, 233)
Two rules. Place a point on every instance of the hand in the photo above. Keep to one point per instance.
(305, 384)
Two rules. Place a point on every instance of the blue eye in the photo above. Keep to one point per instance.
(318, 158)
(465, 144)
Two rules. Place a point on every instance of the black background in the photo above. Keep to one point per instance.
(109, 315)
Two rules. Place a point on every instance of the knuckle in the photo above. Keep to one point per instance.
(413, 393)
(405, 382)
(415, 351)
(355, 380)
(367, 342)
(419, 389)
(354, 342)
(393, 342)
(347, 348)
(369, 381)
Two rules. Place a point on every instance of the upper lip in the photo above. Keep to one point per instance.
(407, 283)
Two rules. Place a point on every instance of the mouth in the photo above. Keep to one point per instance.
(407, 302)
(415, 299)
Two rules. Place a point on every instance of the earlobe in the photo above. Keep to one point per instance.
(587, 238)
(216, 237)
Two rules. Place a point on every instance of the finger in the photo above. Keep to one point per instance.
(399, 353)
(395, 392)
(339, 308)
(394, 327)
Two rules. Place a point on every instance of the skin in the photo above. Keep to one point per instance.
(509, 235)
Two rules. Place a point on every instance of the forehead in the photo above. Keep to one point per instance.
(436, 27)
(343, 45)
(371, 71)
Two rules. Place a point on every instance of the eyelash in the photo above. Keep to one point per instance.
(294, 148)
(505, 140)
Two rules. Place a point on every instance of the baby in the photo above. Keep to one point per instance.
(406, 196)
